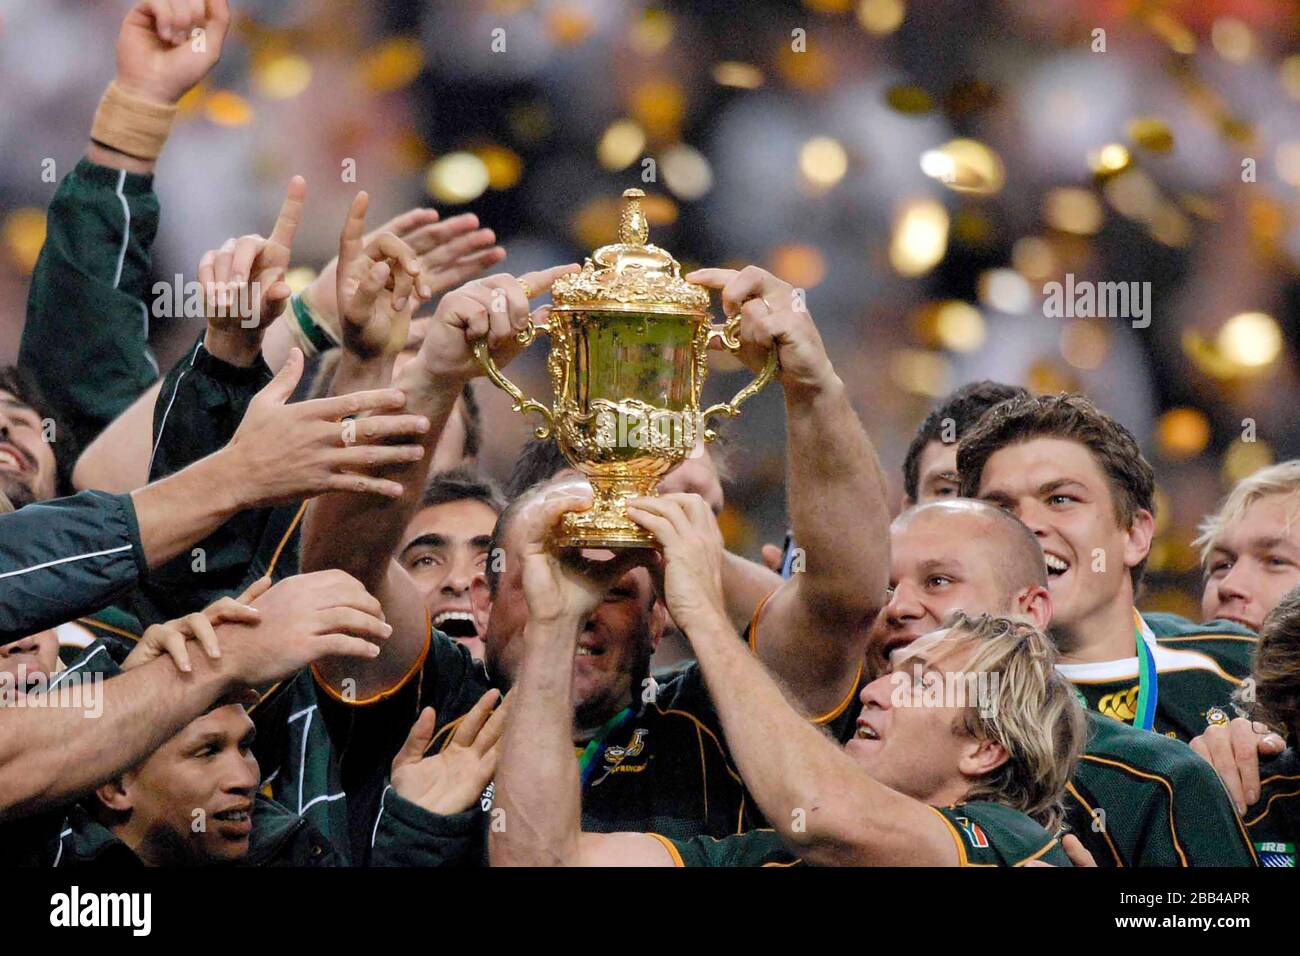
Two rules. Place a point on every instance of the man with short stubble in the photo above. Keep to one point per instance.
(1078, 480)
(1137, 798)
(930, 467)
(446, 546)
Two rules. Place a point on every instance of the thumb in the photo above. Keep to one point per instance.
(772, 557)
(418, 740)
(279, 389)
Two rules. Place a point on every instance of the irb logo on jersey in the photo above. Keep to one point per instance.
(1275, 854)
(973, 833)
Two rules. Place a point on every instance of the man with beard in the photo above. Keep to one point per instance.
(652, 755)
(1077, 478)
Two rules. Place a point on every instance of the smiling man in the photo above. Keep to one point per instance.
(1250, 548)
(1077, 479)
(446, 546)
(1137, 798)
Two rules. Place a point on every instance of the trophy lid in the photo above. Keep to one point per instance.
(630, 275)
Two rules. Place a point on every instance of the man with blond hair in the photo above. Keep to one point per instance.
(1250, 547)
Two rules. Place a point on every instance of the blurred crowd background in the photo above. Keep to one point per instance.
(922, 167)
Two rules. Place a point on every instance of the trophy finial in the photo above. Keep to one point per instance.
(632, 226)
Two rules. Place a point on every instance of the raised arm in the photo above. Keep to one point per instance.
(822, 803)
(87, 327)
(361, 535)
(812, 633)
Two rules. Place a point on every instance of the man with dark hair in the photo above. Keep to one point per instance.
(1137, 798)
(930, 468)
(36, 452)
(1274, 818)
(1077, 478)
(447, 544)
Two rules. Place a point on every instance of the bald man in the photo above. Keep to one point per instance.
(1138, 798)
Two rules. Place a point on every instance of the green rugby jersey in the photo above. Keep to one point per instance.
(1199, 666)
(1142, 799)
(1274, 820)
(985, 834)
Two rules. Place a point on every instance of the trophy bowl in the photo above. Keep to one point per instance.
(630, 342)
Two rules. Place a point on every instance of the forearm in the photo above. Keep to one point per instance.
(538, 785)
(360, 533)
(51, 755)
(184, 508)
(837, 505)
(117, 461)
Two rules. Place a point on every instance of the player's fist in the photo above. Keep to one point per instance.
(166, 46)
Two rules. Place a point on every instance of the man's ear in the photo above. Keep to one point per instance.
(480, 602)
(1137, 542)
(658, 622)
(1035, 604)
(980, 757)
(115, 795)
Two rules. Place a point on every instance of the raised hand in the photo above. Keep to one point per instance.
(283, 452)
(692, 556)
(243, 283)
(160, 56)
(303, 618)
(564, 586)
(375, 286)
(495, 308)
(171, 637)
(451, 781)
(449, 252)
(772, 313)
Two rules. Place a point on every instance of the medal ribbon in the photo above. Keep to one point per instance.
(1148, 681)
(596, 747)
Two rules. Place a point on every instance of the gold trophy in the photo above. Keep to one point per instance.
(629, 354)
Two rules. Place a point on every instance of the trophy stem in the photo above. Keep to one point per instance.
(606, 524)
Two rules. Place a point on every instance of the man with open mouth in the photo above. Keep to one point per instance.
(1078, 480)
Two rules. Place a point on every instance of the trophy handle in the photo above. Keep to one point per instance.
(523, 403)
(727, 336)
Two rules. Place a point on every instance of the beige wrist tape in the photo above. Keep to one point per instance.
(131, 124)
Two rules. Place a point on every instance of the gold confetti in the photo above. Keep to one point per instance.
(1232, 39)
(1073, 210)
(965, 166)
(1251, 340)
(686, 171)
(659, 105)
(1182, 433)
(227, 108)
(652, 32)
(801, 265)
(1243, 459)
(458, 177)
(1109, 159)
(392, 65)
(504, 166)
(742, 76)
(1151, 133)
(905, 98)
(881, 17)
(823, 162)
(920, 237)
(620, 145)
(281, 77)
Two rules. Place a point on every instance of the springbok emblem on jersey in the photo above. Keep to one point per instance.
(637, 744)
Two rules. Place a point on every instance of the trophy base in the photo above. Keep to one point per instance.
(602, 527)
